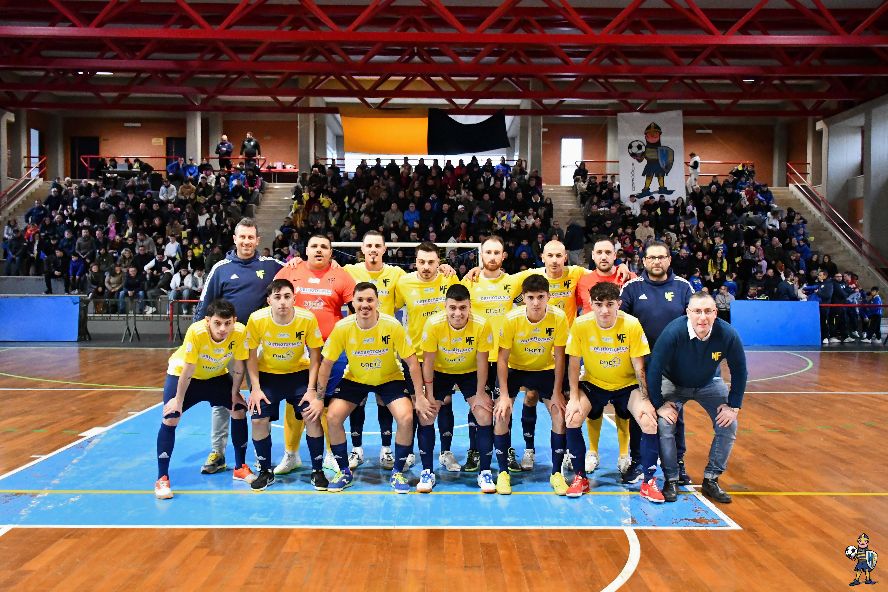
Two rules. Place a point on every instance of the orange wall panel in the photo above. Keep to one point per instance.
(797, 149)
(279, 139)
(116, 140)
(734, 144)
(594, 136)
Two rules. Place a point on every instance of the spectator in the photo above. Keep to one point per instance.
(190, 170)
(133, 289)
(56, 268)
(693, 171)
(224, 149)
(723, 301)
(250, 148)
(176, 171)
(874, 316)
(76, 272)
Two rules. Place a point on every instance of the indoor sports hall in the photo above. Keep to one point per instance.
(746, 139)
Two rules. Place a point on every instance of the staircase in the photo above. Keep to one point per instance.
(23, 202)
(827, 241)
(566, 203)
(275, 206)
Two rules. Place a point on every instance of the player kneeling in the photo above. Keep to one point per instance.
(198, 371)
(372, 341)
(611, 345)
(455, 344)
(285, 353)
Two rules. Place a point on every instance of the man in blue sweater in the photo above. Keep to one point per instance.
(242, 278)
(655, 298)
(684, 366)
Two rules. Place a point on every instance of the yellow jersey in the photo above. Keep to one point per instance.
(210, 358)
(492, 299)
(384, 280)
(606, 353)
(562, 291)
(372, 353)
(532, 345)
(422, 300)
(283, 348)
(456, 349)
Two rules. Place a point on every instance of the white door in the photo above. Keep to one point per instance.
(571, 154)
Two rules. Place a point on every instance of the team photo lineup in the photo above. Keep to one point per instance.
(324, 340)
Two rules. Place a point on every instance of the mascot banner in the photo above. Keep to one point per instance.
(650, 148)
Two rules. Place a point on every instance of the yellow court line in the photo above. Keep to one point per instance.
(36, 379)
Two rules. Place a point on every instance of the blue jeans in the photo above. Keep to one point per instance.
(139, 297)
(709, 397)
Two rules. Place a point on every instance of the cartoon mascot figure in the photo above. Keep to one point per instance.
(658, 158)
(865, 558)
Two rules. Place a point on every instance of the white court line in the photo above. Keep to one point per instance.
(631, 562)
(5, 529)
(74, 443)
(808, 366)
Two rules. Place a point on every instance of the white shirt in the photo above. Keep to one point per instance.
(693, 335)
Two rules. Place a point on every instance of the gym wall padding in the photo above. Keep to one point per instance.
(762, 322)
(39, 318)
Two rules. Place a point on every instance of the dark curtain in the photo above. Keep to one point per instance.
(447, 136)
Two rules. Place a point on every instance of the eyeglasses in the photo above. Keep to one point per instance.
(702, 311)
(656, 257)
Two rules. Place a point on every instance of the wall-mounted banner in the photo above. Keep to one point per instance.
(650, 149)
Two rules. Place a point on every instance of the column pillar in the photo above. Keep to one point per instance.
(6, 117)
(841, 161)
(18, 144)
(214, 133)
(55, 147)
(305, 123)
(875, 179)
(320, 131)
(193, 136)
(781, 151)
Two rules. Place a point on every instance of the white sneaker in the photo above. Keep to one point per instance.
(567, 464)
(623, 463)
(288, 464)
(834, 340)
(330, 462)
(848, 340)
(150, 310)
(386, 458)
(826, 342)
(356, 458)
(591, 461)
(411, 460)
(486, 482)
(528, 459)
(162, 488)
(426, 481)
(876, 341)
(448, 461)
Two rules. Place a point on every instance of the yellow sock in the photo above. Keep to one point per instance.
(324, 426)
(623, 435)
(293, 429)
(593, 428)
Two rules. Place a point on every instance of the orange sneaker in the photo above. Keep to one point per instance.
(162, 488)
(243, 473)
(651, 491)
(578, 487)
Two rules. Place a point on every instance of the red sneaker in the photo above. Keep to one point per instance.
(578, 487)
(162, 488)
(651, 491)
(243, 473)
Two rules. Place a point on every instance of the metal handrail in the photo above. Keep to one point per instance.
(86, 160)
(22, 183)
(876, 260)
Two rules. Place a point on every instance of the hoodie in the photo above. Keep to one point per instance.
(242, 282)
(656, 304)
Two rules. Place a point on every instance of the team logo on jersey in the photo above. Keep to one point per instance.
(234, 276)
(549, 331)
(386, 338)
(716, 356)
(470, 340)
(567, 284)
(621, 337)
(385, 282)
(299, 334)
(507, 287)
(643, 297)
(260, 273)
(231, 346)
(669, 296)
(442, 289)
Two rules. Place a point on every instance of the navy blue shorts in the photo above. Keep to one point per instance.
(541, 381)
(600, 397)
(466, 383)
(216, 391)
(355, 392)
(289, 387)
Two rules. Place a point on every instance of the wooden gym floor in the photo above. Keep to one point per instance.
(807, 475)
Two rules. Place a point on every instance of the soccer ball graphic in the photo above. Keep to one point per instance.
(636, 148)
(850, 551)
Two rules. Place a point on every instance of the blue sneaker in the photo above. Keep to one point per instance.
(486, 482)
(399, 483)
(340, 481)
(426, 482)
(633, 474)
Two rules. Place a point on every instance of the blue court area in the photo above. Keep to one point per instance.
(107, 480)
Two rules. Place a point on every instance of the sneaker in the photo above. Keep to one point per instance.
(834, 340)
(215, 463)
(826, 342)
(567, 464)
(319, 481)
(448, 461)
(632, 475)
(876, 341)
(386, 458)
(473, 462)
(683, 477)
(848, 340)
(485, 482)
(713, 491)
(162, 488)
(623, 463)
(504, 483)
(591, 461)
(426, 482)
(355, 458)
(330, 462)
(528, 459)
(514, 465)
(243, 473)
(288, 464)
(262, 480)
(670, 491)
(559, 485)
(399, 483)
(578, 487)
(411, 460)
(148, 309)
(340, 481)
(651, 491)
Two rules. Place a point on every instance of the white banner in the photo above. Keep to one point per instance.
(650, 147)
